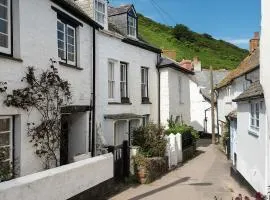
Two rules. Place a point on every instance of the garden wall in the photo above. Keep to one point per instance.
(174, 150)
(60, 183)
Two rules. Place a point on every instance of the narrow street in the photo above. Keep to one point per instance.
(202, 178)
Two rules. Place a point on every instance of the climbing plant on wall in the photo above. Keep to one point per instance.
(45, 94)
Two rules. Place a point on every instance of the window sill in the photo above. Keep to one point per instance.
(10, 57)
(146, 102)
(253, 133)
(70, 66)
(119, 103)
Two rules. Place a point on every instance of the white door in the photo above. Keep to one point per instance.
(233, 128)
(120, 132)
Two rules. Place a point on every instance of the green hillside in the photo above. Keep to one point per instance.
(188, 44)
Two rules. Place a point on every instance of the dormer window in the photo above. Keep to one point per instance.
(132, 26)
(100, 11)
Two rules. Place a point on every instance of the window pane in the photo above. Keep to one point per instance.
(61, 36)
(61, 54)
(71, 40)
(3, 12)
(60, 26)
(61, 45)
(71, 32)
(3, 40)
(4, 2)
(71, 49)
(3, 26)
(252, 122)
(4, 139)
(4, 125)
(258, 123)
(71, 57)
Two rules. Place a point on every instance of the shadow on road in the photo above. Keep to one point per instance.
(182, 180)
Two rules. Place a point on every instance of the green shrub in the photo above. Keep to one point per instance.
(184, 130)
(150, 139)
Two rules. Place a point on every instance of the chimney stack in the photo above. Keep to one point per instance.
(254, 43)
(169, 53)
(197, 65)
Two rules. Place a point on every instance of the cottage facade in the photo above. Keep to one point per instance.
(57, 30)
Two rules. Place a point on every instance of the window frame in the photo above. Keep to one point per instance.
(254, 117)
(7, 50)
(111, 80)
(135, 20)
(125, 80)
(11, 140)
(68, 25)
(145, 82)
(98, 12)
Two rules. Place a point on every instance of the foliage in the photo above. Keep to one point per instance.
(45, 94)
(185, 130)
(171, 122)
(182, 32)
(5, 167)
(150, 139)
(218, 53)
(225, 135)
(149, 168)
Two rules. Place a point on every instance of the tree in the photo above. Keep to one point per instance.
(46, 94)
(182, 32)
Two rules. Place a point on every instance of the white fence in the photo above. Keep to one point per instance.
(59, 183)
(174, 150)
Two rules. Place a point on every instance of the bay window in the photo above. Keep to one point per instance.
(124, 82)
(100, 11)
(6, 143)
(111, 81)
(5, 26)
(66, 37)
(132, 26)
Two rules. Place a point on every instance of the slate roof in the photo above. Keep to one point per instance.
(118, 10)
(254, 91)
(250, 63)
(77, 11)
(168, 62)
(202, 79)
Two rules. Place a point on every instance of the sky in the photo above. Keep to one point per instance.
(232, 20)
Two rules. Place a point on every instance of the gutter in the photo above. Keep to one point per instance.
(92, 140)
(158, 57)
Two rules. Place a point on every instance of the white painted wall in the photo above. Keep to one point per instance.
(110, 47)
(225, 103)
(250, 149)
(264, 76)
(35, 43)
(60, 183)
(198, 105)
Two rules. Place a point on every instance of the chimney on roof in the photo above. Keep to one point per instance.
(187, 64)
(169, 53)
(197, 65)
(254, 43)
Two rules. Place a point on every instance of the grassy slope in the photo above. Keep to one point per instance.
(218, 53)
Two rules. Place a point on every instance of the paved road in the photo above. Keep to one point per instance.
(202, 178)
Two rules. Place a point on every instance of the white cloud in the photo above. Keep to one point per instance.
(238, 41)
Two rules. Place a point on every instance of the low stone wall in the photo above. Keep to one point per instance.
(60, 183)
(151, 169)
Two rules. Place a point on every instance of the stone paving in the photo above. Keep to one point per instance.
(202, 178)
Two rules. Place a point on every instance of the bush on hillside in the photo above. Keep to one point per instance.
(182, 32)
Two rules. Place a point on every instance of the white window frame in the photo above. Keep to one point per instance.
(7, 50)
(10, 145)
(254, 117)
(180, 90)
(144, 82)
(124, 66)
(98, 12)
(132, 27)
(111, 80)
(66, 43)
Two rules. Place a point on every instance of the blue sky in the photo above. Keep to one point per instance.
(231, 20)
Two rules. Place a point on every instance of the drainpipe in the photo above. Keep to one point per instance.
(158, 59)
(93, 134)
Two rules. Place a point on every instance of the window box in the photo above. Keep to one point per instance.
(125, 100)
(145, 100)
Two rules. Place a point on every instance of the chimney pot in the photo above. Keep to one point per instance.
(254, 43)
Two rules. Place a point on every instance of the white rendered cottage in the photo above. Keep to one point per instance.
(232, 86)
(126, 74)
(251, 156)
(32, 32)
